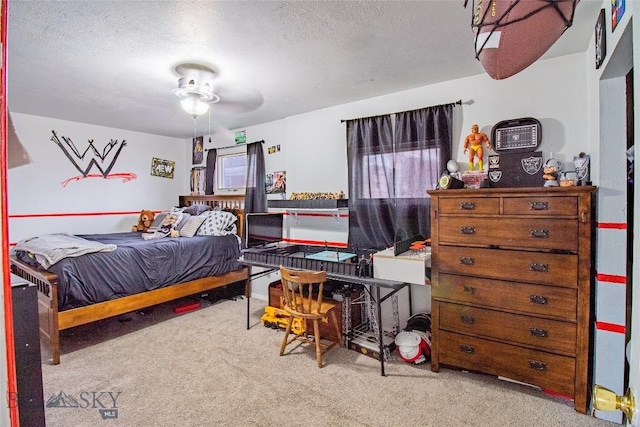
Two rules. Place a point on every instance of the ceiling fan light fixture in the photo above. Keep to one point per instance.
(195, 88)
(194, 106)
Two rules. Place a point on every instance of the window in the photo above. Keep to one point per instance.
(416, 173)
(409, 179)
(232, 172)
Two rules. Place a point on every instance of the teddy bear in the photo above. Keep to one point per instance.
(146, 218)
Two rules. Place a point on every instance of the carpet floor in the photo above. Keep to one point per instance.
(204, 368)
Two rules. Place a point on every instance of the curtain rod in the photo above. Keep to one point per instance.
(458, 102)
(232, 146)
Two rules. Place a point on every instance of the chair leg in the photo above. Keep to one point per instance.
(316, 331)
(286, 335)
(335, 325)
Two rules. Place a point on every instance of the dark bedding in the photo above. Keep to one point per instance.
(139, 265)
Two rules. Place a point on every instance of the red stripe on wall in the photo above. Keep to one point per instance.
(316, 243)
(611, 278)
(70, 214)
(614, 225)
(610, 327)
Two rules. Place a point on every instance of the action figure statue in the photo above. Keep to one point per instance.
(551, 169)
(473, 146)
(365, 266)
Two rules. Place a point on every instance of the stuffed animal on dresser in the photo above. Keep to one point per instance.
(144, 222)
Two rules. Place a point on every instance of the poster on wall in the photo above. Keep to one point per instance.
(198, 152)
(617, 12)
(162, 168)
(601, 39)
(276, 183)
(240, 137)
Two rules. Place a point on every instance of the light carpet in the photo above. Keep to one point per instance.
(204, 368)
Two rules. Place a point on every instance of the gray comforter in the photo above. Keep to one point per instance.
(138, 265)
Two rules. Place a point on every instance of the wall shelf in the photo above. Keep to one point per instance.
(309, 204)
(320, 205)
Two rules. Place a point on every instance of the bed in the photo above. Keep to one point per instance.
(59, 310)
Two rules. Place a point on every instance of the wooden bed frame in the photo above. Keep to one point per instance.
(231, 203)
(52, 321)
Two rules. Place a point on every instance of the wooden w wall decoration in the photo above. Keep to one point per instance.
(92, 157)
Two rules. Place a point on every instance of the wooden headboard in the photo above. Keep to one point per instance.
(230, 203)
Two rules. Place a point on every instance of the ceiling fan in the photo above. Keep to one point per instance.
(200, 91)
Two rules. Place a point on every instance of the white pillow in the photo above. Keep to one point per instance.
(192, 225)
(217, 223)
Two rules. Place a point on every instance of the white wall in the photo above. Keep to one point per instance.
(38, 188)
(313, 148)
(552, 91)
(313, 145)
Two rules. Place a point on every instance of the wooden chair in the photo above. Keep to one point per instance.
(303, 299)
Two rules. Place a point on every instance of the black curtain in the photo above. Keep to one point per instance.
(255, 198)
(210, 178)
(423, 148)
(391, 166)
(370, 163)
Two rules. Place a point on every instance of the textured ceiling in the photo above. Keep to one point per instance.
(111, 63)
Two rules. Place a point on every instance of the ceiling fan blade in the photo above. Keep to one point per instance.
(235, 99)
(221, 135)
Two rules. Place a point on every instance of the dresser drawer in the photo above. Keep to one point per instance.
(520, 266)
(540, 300)
(534, 233)
(548, 206)
(544, 334)
(546, 370)
(470, 205)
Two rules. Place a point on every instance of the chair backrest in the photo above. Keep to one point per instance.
(303, 290)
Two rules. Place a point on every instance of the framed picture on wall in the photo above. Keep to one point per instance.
(276, 183)
(162, 168)
(617, 12)
(198, 151)
(601, 39)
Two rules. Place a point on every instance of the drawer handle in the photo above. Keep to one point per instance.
(469, 320)
(538, 299)
(538, 366)
(537, 332)
(539, 206)
(467, 230)
(466, 260)
(541, 234)
(469, 289)
(541, 268)
(467, 349)
(467, 206)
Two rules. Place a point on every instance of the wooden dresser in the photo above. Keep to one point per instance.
(512, 284)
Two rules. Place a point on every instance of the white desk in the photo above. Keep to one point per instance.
(407, 267)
